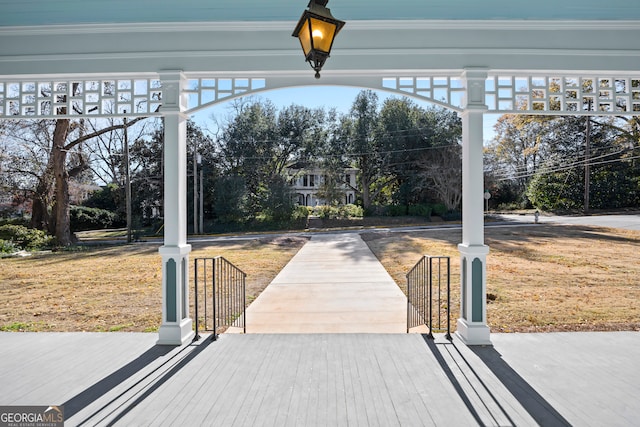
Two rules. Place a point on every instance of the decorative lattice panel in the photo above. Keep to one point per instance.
(563, 95)
(75, 98)
(446, 91)
(202, 92)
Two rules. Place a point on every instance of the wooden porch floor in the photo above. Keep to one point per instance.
(581, 379)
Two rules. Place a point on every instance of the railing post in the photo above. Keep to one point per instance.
(214, 274)
(420, 295)
(195, 297)
(448, 336)
(244, 302)
(228, 294)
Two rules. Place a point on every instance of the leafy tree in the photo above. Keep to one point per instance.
(560, 183)
(331, 188)
(279, 199)
(358, 132)
(259, 142)
(108, 198)
(147, 170)
(519, 148)
(246, 147)
(421, 150)
(402, 139)
(230, 198)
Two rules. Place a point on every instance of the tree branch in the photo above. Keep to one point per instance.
(99, 132)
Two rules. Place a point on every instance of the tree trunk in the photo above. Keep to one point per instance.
(61, 207)
(40, 206)
(366, 192)
(40, 216)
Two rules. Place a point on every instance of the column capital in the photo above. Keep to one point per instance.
(475, 73)
(474, 79)
(174, 100)
(174, 251)
(476, 250)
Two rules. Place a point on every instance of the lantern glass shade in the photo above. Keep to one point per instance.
(322, 34)
(316, 31)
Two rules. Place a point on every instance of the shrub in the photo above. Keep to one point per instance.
(325, 211)
(439, 209)
(376, 210)
(84, 218)
(299, 213)
(22, 237)
(351, 211)
(452, 216)
(7, 247)
(14, 221)
(420, 210)
(338, 212)
(397, 210)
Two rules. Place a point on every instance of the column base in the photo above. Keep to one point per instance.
(176, 334)
(471, 334)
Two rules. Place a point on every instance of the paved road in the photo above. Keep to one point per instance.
(629, 222)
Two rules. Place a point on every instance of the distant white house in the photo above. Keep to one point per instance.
(307, 181)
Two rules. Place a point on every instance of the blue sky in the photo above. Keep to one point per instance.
(339, 97)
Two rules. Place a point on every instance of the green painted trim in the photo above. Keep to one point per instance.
(464, 288)
(185, 289)
(170, 296)
(476, 290)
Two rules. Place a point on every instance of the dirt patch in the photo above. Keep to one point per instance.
(286, 241)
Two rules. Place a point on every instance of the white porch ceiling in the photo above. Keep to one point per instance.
(253, 37)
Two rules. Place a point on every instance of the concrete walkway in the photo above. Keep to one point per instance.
(334, 284)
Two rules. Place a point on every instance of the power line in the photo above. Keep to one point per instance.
(566, 167)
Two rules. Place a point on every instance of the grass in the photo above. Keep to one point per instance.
(114, 288)
(544, 278)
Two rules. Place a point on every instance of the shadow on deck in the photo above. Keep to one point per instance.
(327, 379)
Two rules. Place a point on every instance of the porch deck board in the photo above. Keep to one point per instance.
(586, 379)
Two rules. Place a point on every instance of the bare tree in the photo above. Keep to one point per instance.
(441, 170)
(61, 147)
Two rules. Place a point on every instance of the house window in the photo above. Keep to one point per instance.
(305, 181)
(312, 180)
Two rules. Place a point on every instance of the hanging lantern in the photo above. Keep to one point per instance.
(316, 31)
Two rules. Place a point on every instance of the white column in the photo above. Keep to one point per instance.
(472, 326)
(176, 328)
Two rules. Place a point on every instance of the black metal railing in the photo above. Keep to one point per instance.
(429, 286)
(220, 294)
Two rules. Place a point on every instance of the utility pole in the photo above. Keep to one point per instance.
(127, 185)
(587, 159)
(195, 190)
(201, 195)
